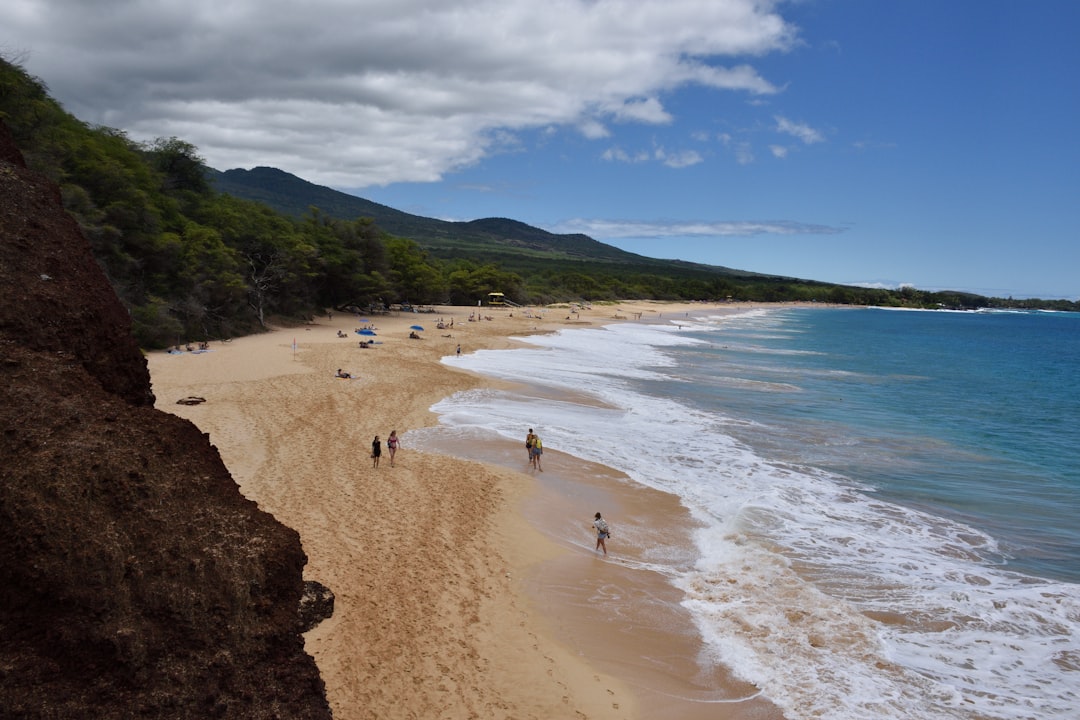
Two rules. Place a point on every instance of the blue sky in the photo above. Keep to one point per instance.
(878, 143)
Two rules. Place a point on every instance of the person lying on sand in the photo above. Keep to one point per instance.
(342, 374)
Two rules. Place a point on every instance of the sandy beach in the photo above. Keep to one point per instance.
(464, 589)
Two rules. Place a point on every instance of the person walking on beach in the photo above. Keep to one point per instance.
(528, 446)
(602, 533)
(376, 451)
(392, 445)
(536, 451)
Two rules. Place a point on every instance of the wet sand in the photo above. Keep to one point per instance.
(467, 584)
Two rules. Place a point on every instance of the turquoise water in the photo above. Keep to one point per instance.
(886, 500)
(972, 415)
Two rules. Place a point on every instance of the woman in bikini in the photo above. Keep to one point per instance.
(392, 445)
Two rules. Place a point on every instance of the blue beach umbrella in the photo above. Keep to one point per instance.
(415, 327)
(366, 331)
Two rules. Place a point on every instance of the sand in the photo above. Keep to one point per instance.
(463, 589)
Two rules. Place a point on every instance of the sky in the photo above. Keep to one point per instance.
(931, 143)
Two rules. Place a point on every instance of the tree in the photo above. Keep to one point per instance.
(181, 168)
(415, 276)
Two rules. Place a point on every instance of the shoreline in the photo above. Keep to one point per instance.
(457, 593)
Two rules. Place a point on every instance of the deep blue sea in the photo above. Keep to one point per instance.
(888, 500)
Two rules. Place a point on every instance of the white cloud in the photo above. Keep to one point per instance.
(369, 92)
(617, 154)
(778, 151)
(646, 111)
(593, 130)
(611, 229)
(686, 158)
(799, 130)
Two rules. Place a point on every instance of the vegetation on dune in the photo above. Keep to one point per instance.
(198, 254)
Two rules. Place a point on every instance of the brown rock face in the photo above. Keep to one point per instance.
(135, 579)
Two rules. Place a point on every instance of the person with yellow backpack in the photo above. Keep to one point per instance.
(535, 452)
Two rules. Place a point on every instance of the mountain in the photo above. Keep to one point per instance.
(494, 239)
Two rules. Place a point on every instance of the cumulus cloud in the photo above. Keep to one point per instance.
(593, 130)
(646, 111)
(379, 91)
(613, 229)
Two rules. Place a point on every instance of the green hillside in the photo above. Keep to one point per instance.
(557, 267)
(295, 196)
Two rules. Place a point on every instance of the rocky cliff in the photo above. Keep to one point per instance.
(135, 579)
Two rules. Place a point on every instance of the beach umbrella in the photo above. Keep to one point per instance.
(415, 327)
(366, 331)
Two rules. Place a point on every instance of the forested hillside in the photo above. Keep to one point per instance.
(294, 196)
(191, 262)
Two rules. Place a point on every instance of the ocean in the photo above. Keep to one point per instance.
(886, 501)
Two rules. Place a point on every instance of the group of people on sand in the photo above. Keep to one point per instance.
(535, 448)
(392, 444)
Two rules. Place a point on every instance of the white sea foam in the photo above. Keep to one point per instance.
(834, 602)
